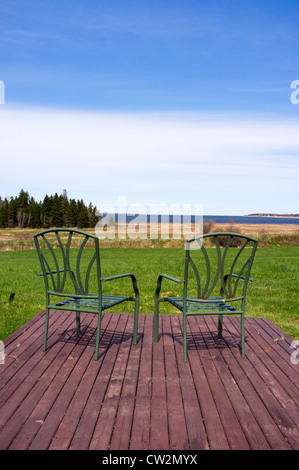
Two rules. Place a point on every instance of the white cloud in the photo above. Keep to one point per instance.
(157, 157)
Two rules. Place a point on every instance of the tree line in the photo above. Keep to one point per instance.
(54, 211)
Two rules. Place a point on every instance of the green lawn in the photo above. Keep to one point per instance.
(274, 295)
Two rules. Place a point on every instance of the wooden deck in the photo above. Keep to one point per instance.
(145, 396)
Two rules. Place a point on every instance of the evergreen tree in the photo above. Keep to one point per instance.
(12, 213)
(22, 200)
(54, 211)
(4, 213)
(46, 216)
(71, 214)
(83, 217)
(35, 212)
(93, 215)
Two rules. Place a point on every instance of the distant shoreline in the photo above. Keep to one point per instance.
(280, 216)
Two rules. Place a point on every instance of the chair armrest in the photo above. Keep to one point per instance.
(52, 272)
(119, 276)
(236, 275)
(170, 278)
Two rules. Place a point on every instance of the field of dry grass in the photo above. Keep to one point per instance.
(268, 234)
(268, 229)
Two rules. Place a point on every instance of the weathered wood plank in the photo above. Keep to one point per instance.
(225, 403)
(144, 396)
(89, 418)
(106, 418)
(193, 415)
(159, 437)
(37, 431)
(176, 417)
(228, 368)
(64, 434)
(122, 429)
(31, 388)
(140, 435)
(264, 404)
(213, 425)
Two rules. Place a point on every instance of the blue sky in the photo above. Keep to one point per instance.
(161, 102)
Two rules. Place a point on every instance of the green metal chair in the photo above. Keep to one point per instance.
(70, 262)
(212, 286)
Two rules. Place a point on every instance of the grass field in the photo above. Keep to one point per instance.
(274, 295)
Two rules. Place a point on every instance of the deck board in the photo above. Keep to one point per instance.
(144, 397)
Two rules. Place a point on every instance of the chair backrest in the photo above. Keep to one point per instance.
(67, 258)
(218, 271)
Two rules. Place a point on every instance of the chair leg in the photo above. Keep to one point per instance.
(156, 320)
(243, 335)
(136, 313)
(185, 337)
(78, 323)
(220, 324)
(46, 330)
(98, 336)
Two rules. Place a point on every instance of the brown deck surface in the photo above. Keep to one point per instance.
(145, 396)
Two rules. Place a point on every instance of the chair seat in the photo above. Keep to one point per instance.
(215, 306)
(107, 302)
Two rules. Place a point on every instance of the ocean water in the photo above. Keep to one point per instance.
(222, 219)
